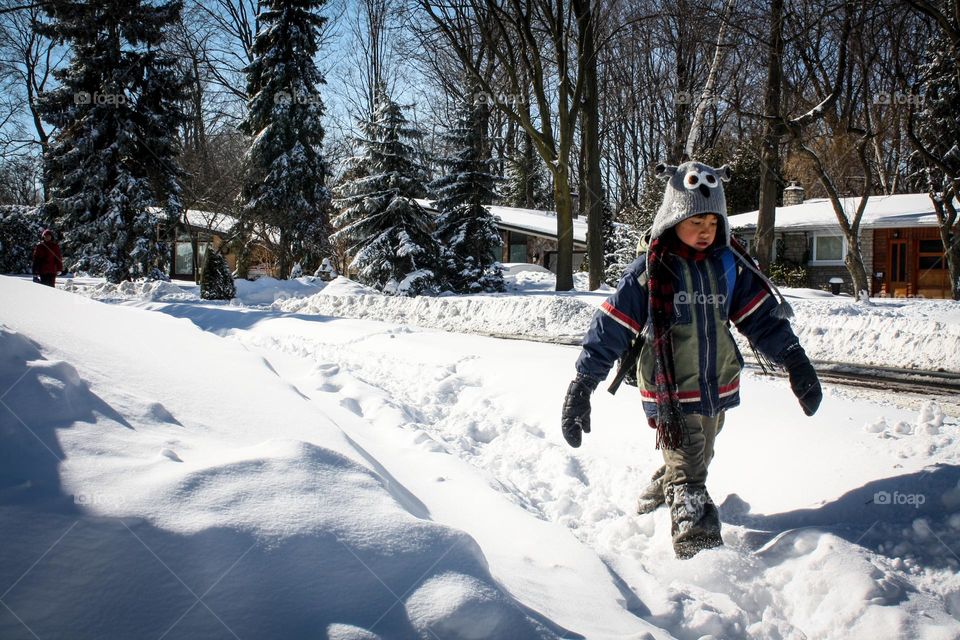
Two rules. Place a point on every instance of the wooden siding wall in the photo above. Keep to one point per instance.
(881, 257)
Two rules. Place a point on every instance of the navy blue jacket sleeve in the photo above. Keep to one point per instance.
(620, 318)
(752, 311)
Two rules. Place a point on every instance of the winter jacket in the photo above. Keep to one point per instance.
(47, 259)
(707, 362)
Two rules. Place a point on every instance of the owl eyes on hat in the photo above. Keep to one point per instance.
(694, 179)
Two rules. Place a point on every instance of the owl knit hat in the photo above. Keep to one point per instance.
(693, 188)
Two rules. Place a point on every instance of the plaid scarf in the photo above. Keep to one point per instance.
(670, 419)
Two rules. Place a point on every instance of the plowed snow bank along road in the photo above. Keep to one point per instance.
(810, 552)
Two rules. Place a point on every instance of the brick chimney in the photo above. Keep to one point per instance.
(793, 194)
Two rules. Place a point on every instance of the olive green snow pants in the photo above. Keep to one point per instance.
(688, 464)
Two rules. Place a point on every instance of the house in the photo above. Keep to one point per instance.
(530, 235)
(199, 230)
(899, 239)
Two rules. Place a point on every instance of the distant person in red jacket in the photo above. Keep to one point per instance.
(47, 259)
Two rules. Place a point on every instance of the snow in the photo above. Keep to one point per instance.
(172, 465)
(534, 221)
(882, 211)
(907, 333)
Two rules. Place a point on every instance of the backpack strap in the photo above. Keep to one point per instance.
(729, 263)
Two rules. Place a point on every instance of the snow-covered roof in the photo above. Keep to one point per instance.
(219, 222)
(530, 221)
(902, 210)
(208, 220)
(537, 222)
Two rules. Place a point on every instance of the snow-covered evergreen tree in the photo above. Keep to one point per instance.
(388, 234)
(620, 249)
(525, 182)
(285, 170)
(216, 282)
(470, 243)
(114, 155)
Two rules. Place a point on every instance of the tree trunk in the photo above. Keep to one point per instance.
(770, 145)
(592, 188)
(243, 252)
(949, 236)
(858, 274)
(953, 264)
(283, 256)
(564, 205)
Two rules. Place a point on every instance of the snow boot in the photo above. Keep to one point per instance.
(695, 521)
(652, 498)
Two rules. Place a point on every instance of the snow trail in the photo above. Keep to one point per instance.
(402, 378)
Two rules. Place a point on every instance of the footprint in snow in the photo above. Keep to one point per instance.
(159, 413)
(170, 454)
(328, 369)
(351, 405)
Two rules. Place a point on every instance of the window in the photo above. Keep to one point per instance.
(184, 259)
(931, 254)
(518, 247)
(898, 261)
(827, 249)
(751, 246)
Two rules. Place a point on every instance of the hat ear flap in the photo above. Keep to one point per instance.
(665, 171)
(724, 173)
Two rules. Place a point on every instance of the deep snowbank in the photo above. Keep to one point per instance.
(155, 478)
(297, 475)
(558, 316)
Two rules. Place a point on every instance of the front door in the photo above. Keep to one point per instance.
(897, 282)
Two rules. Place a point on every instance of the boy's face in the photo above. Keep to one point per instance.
(698, 232)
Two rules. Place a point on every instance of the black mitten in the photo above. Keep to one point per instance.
(576, 409)
(803, 380)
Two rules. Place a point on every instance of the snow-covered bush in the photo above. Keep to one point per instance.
(20, 229)
(216, 283)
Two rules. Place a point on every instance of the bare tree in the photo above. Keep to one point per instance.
(536, 45)
(932, 124)
(27, 60)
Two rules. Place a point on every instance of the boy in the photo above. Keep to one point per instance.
(47, 259)
(682, 294)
